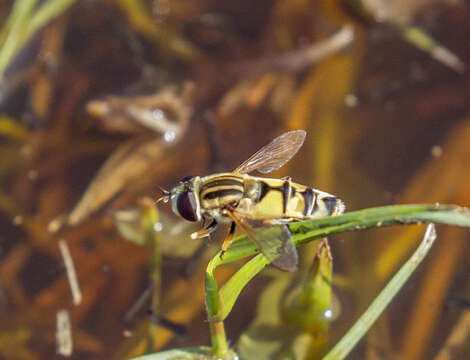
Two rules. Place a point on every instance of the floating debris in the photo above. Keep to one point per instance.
(436, 151)
(351, 100)
(63, 337)
(71, 274)
(299, 59)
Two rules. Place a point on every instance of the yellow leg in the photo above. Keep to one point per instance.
(248, 231)
(229, 237)
(204, 232)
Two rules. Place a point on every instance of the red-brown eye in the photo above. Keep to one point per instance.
(187, 206)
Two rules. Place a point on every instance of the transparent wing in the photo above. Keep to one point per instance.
(284, 247)
(275, 154)
(275, 242)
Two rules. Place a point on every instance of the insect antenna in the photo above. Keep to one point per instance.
(165, 197)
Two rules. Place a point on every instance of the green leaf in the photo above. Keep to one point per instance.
(306, 231)
(267, 336)
(232, 288)
(220, 303)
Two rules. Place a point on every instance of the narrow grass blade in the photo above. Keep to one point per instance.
(306, 231)
(357, 331)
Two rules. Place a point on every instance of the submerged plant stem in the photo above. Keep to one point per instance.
(24, 21)
(149, 220)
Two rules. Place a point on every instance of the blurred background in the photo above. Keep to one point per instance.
(102, 102)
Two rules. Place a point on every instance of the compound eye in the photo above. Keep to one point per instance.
(187, 206)
(185, 179)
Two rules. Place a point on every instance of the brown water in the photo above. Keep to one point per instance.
(386, 124)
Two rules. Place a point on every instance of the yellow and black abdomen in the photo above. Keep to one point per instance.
(282, 198)
(264, 198)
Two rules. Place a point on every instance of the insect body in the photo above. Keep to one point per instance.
(255, 203)
(258, 198)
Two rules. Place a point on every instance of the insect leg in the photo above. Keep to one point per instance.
(275, 242)
(229, 237)
(205, 231)
(248, 231)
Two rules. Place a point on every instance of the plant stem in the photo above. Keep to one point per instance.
(305, 231)
(23, 22)
(13, 33)
(219, 303)
(149, 219)
(218, 339)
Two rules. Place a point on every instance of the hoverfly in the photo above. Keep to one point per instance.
(254, 203)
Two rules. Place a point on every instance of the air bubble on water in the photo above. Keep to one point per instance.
(158, 226)
(158, 114)
(436, 151)
(328, 314)
(351, 100)
(169, 135)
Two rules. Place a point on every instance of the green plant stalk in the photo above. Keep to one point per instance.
(357, 331)
(220, 347)
(164, 36)
(219, 344)
(306, 231)
(12, 129)
(46, 13)
(18, 12)
(232, 288)
(149, 219)
(315, 296)
(220, 303)
(308, 311)
(419, 38)
(13, 34)
(23, 23)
